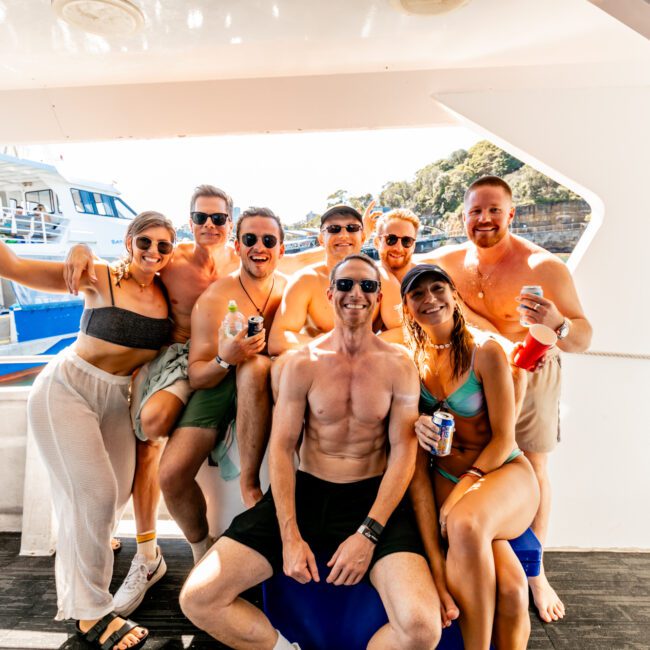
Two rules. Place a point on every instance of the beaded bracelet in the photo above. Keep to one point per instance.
(478, 470)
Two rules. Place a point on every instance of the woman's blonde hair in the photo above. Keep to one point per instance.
(139, 224)
(462, 341)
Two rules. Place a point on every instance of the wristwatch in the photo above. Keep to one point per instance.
(224, 364)
(563, 330)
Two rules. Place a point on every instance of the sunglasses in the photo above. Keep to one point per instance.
(144, 244)
(391, 240)
(335, 228)
(346, 284)
(249, 239)
(218, 218)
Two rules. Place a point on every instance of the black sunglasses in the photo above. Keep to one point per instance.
(218, 218)
(391, 240)
(249, 239)
(346, 284)
(335, 228)
(144, 244)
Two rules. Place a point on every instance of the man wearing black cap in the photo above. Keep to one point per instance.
(305, 312)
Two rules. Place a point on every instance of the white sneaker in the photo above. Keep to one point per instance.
(142, 575)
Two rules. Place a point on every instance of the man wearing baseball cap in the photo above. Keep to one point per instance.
(305, 312)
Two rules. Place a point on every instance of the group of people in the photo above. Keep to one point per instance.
(353, 360)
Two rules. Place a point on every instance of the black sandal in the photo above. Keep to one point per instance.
(95, 632)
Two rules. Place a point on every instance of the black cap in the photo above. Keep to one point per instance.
(423, 269)
(342, 210)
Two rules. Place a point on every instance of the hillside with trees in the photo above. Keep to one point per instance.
(436, 193)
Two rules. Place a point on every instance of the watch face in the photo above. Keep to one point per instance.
(563, 330)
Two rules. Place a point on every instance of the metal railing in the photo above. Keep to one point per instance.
(18, 226)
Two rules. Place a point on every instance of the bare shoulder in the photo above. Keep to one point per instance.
(217, 291)
(182, 251)
(490, 354)
(398, 363)
(299, 367)
(306, 277)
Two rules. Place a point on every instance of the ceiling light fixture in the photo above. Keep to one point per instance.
(103, 17)
(427, 7)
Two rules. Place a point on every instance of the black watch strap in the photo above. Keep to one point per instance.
(373, 525)
(224, 364)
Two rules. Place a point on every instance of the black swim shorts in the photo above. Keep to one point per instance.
(327, 514)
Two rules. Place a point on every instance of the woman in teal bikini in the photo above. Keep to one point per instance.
(485, 490)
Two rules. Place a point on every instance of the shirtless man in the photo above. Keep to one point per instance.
(217, 366)
(305, 305)
(489, 271)
(343, 463)
(397, 231)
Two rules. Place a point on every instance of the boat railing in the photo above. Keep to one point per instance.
(18, 226)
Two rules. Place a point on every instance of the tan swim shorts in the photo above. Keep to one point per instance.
(538, 426)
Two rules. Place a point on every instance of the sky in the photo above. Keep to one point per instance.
(290, 173)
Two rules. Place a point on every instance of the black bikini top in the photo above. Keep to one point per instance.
(124, 327)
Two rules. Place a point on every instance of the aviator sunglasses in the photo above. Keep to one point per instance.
(346, 284)
(336, 228)
(218, 218)
(391, 240)
(249, 239)
(144, 244)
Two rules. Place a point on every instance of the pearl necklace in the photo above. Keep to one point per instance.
(440, 346)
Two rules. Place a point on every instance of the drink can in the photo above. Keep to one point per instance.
(536, 290)
(445, 423)
(255, 325)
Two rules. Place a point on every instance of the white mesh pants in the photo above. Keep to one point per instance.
(79, 416)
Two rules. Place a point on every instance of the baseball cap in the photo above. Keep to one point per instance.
(423, 269)
(342, 210)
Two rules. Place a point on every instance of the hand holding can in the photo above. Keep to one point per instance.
(445, 423)
(255, 325)
(533, 289)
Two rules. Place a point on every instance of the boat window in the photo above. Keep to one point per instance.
(83, 201)
(39, 197)
(123, 210)
(103, 204)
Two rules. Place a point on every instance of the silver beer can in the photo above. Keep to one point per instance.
(445, 423)
(536, 290)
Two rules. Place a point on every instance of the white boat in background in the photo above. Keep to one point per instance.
(563, 85)
(71, 211)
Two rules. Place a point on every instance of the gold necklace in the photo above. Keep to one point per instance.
(482, 279)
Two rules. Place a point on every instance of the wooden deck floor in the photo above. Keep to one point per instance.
(607, 597)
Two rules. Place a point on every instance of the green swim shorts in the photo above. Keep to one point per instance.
(212, 408)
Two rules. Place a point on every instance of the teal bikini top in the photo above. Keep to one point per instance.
(467, 400)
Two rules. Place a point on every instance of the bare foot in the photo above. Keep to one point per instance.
(548, 603)
(116, 544)
(127, 641)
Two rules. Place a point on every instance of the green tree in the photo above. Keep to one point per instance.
(340, 196)
(485, 158)
(397, 194)
(530, 186)
(360, 202)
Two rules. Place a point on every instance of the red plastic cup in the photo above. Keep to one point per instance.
(539, 339)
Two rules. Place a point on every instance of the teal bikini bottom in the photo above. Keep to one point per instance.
(454, 479)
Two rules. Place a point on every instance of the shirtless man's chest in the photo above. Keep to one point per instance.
(345, 393)
(492, 293)
(185, 281)
(320, 311)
